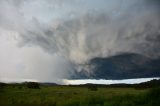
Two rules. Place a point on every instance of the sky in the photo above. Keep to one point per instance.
(47, 40)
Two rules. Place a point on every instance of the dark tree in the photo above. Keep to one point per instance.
(92, 87)
(33, 85)
(2, 85)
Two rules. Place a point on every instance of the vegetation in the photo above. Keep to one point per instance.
(82, 95)
(33, 85)
(92, 87)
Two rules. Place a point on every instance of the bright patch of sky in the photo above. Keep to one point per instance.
(103, 81)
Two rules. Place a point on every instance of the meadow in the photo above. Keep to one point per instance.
(78, 96)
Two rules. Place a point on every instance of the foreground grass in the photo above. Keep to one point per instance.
(78, 96)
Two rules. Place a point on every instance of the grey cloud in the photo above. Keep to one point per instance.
(129, 26)
(100, 34)
(97, 35)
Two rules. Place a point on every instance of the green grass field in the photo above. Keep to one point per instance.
(78, 96)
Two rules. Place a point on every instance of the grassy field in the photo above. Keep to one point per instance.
(77, 96)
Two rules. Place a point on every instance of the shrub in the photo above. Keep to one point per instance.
(2, 85)
(20, 87)
(92, 87)
(33, 85)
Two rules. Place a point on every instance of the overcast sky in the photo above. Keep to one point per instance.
(45, 40)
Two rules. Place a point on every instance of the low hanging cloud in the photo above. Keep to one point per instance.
(76, 31)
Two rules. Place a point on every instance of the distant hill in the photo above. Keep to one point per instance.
(123, 66)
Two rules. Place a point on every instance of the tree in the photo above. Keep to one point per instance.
(92, 87)
(33, 85)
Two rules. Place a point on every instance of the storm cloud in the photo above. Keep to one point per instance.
(71, 33)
